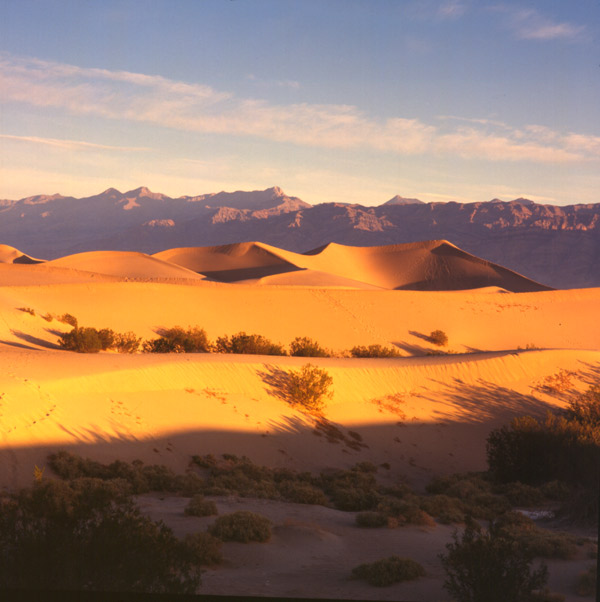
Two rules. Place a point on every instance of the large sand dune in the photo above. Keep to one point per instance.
(422, 414)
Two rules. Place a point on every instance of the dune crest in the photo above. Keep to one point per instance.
(9, 254)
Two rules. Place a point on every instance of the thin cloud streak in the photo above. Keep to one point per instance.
(72, 144)
(156, 100)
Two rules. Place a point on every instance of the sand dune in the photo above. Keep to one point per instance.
(9, 254)
(124, 264)
(431, 265)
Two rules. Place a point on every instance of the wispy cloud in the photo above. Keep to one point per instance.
(72, 144)
(152, 99)
(530, 24)
(452, 9)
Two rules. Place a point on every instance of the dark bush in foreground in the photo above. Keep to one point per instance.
(178, 340)
(305, 347)
(254, 344)
(88, 535)
(198, 506)
(487, 566)
(86, 340)
(309, 387)
(374, 351)
(388, 571)
(242, 526)
(586, 582)
(203, 549)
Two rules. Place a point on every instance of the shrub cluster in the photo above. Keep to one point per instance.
(198, 506)
(92, 340)
(305, 347)
(254, 344)
(178, 340)
(308, 387)
(374, 351)
(86, 534)
(242, 526)
(388, 571)
(438, 337)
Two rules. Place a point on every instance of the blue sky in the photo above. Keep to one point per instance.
(332, 100)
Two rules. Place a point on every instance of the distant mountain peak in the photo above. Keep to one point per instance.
(400, 200)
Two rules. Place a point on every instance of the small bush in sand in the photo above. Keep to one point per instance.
(242, 526)
(302, 493)
(68, 319)
(27, 310)
(178, 340)
(438, 337)
(374, 351)
(48, 317)
(198, 506)
(305, 347)
(388, 571)
(203, 549)
(371, 519)
(126, 342)
(486, 565)
(309, 387)
(85, 340)
(254, 344)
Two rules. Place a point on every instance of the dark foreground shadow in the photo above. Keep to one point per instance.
(35, 340)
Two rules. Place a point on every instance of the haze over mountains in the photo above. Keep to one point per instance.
(557, 246)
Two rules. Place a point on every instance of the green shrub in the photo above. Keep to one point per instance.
(486, 566)
(371, 519)
(178, 340)
(254, 344)
(88, 535)
(388, 571)
(302, 493)
(374, 351)
(309, 387)
(438, 337)
(198, 506)
(242, 526)
(83, 340)
(305, 347)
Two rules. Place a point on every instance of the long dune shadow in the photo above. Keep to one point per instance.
(34, 340)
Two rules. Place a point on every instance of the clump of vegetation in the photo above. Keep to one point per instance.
(438, 337)
(86, 340)
(126, 342)
(486, 565)
(254, 344)
(204, 548)
(199, 506)
(48, 317)
(68, 319)
(388, 571)
(374, 351)
(140, 478)
(305, 347)
(178, 340)
(352, 490)
(242, 526)
(309, 387)
(88, 535)
(27, 310)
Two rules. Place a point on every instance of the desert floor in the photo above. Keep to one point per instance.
(424, 415)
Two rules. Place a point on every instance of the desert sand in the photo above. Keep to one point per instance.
(424, 415)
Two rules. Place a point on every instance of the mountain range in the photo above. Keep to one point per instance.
(558, 246)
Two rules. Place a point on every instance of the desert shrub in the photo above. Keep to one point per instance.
(126, 342)
(486, 566)
(242, 526)
(388, 571)
(586, 582)
(302, 493)
(82, 340)
(178, 340)
(68, 319)
(520, 494)
(305, 347)
(203, 549)
(87, 535)
(48, 317)
(445, 508)
(351, 490)
(27, 310)
(374, 351)
(309, 387)
(254, 344)
(438, 337)
(198, 506)
(371, 519)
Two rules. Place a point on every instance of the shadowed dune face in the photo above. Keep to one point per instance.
(431, 265)
(9, 254)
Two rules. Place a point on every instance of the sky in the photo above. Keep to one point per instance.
(331, 100)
